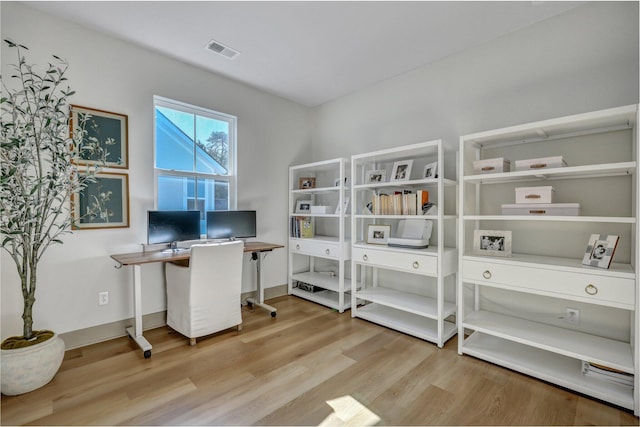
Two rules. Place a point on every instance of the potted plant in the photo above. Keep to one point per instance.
(37, 180)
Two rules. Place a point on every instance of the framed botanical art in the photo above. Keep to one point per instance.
(103, 203)
(401, 170)
(600, 250)
(492, 243)
(105, 137)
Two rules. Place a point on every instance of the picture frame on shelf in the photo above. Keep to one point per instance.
(103, 203)
(345, 205)
(401, 170)
(305, 183)
(336, 182)
(303, 206)
(104, 138)
(430, 170)
(375, 176)
(492, 242)
(600, 250)
(378, 234)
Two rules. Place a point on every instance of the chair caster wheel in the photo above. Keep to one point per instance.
(147, 354)
(273, 314)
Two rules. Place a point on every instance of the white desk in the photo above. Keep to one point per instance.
(136, 259)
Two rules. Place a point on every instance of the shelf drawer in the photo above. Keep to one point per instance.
(596, 289)
(318, 248)
(412, 263)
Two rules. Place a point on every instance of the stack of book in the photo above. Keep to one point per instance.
(404, 202)
(301, 227)
(607, 374)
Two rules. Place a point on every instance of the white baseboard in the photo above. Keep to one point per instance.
(108, 331)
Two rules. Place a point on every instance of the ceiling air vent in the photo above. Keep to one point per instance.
(221, 49)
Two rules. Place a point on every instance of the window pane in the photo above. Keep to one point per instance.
(174, 139)
(212, 153)
(173, 192)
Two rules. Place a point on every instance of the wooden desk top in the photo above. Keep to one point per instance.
(161, 256)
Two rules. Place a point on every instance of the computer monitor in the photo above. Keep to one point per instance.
(172, 226)
(231, 224)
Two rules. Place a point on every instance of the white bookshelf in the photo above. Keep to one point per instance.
(424, 312)
(320, 260)
(601, 149)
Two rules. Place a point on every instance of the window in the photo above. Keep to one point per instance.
(194, 158)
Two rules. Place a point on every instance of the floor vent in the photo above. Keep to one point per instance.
(221, 49)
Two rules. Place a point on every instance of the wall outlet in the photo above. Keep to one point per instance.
(572, 316)
(103, 298)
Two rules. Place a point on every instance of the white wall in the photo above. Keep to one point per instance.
(583, 60)
(116, 76)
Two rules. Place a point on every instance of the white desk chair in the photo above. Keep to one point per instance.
(204, 297)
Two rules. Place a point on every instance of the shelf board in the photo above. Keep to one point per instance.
(567, 342)
(588, 171)
(409, 302)
(310, 215)
(323, 280)
(318, 237)
(408, 323)
(430, 182)
(431, 217)
(547, 366)
(326, 298)
(559, 218)
(318, 190)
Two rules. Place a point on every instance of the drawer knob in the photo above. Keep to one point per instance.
(298, 247)
(365, 257)
(590, 289)
(327, 251)
(416, 264)
(486, 274)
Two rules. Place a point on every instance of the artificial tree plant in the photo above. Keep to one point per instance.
(39, 177)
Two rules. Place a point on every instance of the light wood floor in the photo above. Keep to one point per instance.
(282, 371)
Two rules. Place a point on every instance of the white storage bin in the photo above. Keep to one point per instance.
(541, 163)
(534, 194)
(542, 209)
(497, 165)
(320, 209)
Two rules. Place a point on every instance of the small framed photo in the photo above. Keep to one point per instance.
(305, 183)
(375, 176)
(378, 234)
(430, 170)
(492, 243)
(304, 206)
(336, 182)
(105, 137)
(401, 170)
(103, 203)
(600, 250)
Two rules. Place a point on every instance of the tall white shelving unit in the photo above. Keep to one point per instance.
(513, 308)
(420, 310)
(320, 261)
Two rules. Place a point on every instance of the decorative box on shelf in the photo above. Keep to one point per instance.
(320, 209)
(534, 194)
(541, 163)
(542, 209)
(497, 165)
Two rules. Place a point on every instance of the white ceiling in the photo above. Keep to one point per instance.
(305, 51)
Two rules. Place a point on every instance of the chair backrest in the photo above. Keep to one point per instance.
(216, 267)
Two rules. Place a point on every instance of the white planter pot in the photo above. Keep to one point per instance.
(29, 368)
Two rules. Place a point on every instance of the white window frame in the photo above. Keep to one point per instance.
(231, 176)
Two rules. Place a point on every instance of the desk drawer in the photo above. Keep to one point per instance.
(402, 261)
(319, 248)
(596, 289)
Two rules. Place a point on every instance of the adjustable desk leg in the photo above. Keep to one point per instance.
(135, 331)
(260, 303)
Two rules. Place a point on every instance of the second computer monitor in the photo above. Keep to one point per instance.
(231, 224)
